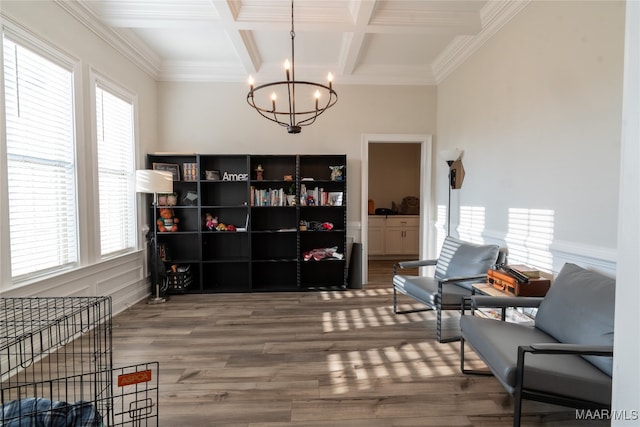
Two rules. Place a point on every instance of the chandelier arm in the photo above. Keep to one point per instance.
(275, 120)
(264, 112)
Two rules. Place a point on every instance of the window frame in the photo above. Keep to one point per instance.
(54, 54)
(98, 79)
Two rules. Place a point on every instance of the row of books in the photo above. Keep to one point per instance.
(308, 197)
(268, 197)
(318, 197)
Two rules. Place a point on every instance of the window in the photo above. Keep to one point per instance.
(115, 140)
(40, 161)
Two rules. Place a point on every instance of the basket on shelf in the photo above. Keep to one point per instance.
(179, 278)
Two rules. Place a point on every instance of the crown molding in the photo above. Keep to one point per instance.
(125, 42)
(494, 16)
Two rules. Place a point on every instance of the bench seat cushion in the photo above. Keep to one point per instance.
(567, 375)
(425, 290)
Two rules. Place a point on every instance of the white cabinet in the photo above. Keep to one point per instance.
(376, 235)
(394, 235)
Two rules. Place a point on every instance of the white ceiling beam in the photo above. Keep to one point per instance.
(352, 43)
(242, 41)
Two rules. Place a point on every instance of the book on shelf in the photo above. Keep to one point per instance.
(531, 273)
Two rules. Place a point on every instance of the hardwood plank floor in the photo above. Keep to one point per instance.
(335, 358)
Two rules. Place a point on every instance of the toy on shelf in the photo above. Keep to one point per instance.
(211, 222)
(167, 220)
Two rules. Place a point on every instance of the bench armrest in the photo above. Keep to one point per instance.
(463, 279)
(563, 348)
(413, 264)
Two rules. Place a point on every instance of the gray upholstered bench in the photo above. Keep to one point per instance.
(566, 357)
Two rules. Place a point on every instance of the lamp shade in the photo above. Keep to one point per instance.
(152, 181)
(456, 174)
(451, 155)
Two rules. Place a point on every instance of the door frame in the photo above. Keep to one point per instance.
(425, 142)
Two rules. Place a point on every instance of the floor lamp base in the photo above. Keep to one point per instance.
(157, 299)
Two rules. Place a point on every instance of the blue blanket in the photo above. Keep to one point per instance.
(37, 412)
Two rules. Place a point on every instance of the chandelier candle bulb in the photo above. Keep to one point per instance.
(251, 82)
(330, 78)
(287, 67)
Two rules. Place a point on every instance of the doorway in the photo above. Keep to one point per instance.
(425, 143)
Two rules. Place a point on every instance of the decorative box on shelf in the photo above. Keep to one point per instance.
(504, 281)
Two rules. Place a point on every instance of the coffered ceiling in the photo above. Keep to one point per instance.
(359, 41)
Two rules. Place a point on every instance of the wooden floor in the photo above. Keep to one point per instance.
(337, 358)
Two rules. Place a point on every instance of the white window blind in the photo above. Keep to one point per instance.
(40, 162)
(116, 173)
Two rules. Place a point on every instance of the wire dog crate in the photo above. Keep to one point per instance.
(86, 400)
(43, 338)
(56, 363)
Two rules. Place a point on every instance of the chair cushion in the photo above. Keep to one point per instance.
(460, 259)
(566, 375)
(579, 309)
(425, 290)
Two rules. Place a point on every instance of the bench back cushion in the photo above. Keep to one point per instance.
(461, 259)
(579, 309)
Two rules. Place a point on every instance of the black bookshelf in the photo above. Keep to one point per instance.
(279, 222)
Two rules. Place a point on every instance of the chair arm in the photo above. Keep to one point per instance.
(504, 302)
(412, 264)
(564, 348)
(463, 279)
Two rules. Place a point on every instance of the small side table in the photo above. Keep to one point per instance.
(490, 290)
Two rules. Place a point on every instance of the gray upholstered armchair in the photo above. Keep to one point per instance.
(566, 357)
(459, 266)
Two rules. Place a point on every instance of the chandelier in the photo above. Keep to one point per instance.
(291, 116)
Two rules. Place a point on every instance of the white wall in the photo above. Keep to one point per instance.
(626, 371)
(122, 277)
(215, 118)
(537, 111)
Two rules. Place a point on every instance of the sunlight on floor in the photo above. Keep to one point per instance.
(363, 369)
